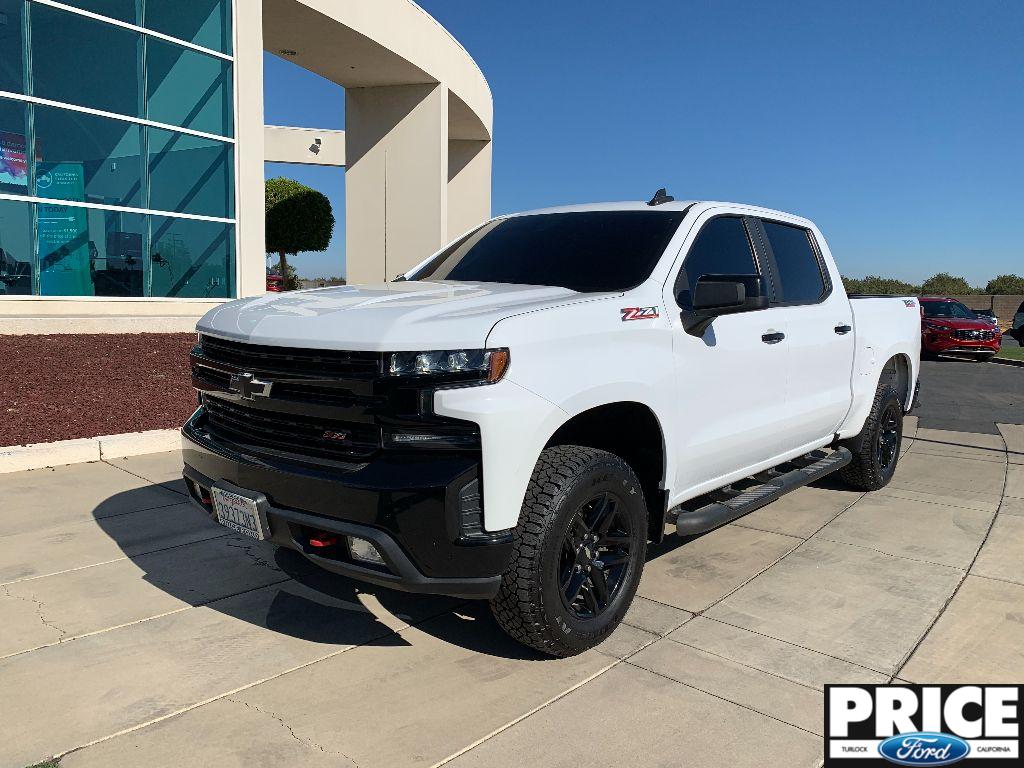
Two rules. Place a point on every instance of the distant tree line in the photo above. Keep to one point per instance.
(942, 284)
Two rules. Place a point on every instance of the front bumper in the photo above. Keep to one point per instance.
(418, 511)
(938, 344)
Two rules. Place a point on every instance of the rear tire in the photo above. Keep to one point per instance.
(876, 450)
(578, 552)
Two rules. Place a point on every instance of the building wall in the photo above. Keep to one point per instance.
(131, 154)
(117, 177)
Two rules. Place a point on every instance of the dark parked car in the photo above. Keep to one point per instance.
(1017, 327)
(987, 315)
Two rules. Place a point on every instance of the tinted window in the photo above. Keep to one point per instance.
(947, 309)
(11, 76)
(13, 169)
(721, 248)
(194, 259)
(203, 22)
(15, 248)
(586, 251)
(188, 88)
(88, 158)
(799, 271)
(82, 61)
(190, 174)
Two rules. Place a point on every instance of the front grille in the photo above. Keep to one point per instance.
(289, 433)
(972, 335)
(315, 363)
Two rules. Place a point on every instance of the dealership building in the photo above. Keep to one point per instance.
(132, 148)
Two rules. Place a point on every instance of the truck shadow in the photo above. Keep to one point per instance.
(181, 552)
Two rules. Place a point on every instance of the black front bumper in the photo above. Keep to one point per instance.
(412, 507)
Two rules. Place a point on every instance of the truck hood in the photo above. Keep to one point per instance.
(400, 316)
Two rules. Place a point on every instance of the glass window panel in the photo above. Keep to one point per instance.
(11, 72)
(194, 259)
(13, 169)
(122, 10)
(189, 174)
(15, 248)
(87, 157)
(203, 22)
(188, 88)
(82, 61)
(797, 264)
(89, 252)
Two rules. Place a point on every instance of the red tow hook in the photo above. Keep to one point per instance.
(323, 539)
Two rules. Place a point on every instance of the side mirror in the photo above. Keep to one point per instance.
(716, 295)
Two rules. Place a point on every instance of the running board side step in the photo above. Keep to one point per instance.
(706, 518)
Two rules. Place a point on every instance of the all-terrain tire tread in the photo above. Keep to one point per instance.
(517, 607)
(861, 473)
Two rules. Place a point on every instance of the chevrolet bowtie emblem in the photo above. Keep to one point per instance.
(248, 386)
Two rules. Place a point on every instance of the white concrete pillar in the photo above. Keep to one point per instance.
(396, 178)
(469, 184)
(250, 206)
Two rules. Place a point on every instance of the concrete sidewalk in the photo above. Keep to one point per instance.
(137, 632)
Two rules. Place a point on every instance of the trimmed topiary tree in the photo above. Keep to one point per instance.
(299, 218)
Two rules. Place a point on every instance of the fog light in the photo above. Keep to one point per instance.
(364, 551)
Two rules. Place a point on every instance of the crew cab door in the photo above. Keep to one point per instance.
(820, 335)
(730, 381)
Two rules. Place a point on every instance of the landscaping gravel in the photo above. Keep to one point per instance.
(61, 387)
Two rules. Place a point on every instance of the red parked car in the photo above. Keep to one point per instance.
(275, 284)
(949, 327)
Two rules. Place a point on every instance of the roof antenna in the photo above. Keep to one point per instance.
(660, 197)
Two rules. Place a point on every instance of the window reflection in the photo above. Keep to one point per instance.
(13, 168)
(122, 10)
(100, 68)
(15, 248)
(203, 22)
(189, 174)
(11, 74)
(89, 252)
(188, 88)
(190, 258)
(88, 158)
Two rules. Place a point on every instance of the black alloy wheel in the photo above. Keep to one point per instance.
(595, 556)
(888, 440)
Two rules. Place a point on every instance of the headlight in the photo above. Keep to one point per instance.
(483, 364)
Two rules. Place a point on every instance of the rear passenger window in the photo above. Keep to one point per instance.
(799, 270)
(721, 248)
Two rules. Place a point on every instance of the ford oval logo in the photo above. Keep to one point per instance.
(924, 749)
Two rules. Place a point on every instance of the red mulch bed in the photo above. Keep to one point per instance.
(61, 387)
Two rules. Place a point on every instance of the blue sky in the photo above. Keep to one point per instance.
(897, 127)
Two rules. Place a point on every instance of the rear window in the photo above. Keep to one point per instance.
(587, 251)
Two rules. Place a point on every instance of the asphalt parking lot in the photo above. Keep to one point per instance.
(137, 632)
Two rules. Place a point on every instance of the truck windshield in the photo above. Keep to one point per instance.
(947, 309)
(585, 251)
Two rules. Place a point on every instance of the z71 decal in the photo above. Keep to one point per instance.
(638, 313)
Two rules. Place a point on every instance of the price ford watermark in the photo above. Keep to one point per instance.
(926, 725)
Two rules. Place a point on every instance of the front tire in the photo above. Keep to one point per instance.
(578, 552)
(876, 450)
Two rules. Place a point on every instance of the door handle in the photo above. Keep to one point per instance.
(772, 338)
(842, 329)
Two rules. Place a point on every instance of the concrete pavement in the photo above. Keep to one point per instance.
(137, 632)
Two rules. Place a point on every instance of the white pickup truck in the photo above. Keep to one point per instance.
(516, 417)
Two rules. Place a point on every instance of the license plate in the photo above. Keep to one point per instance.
(239, 513)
